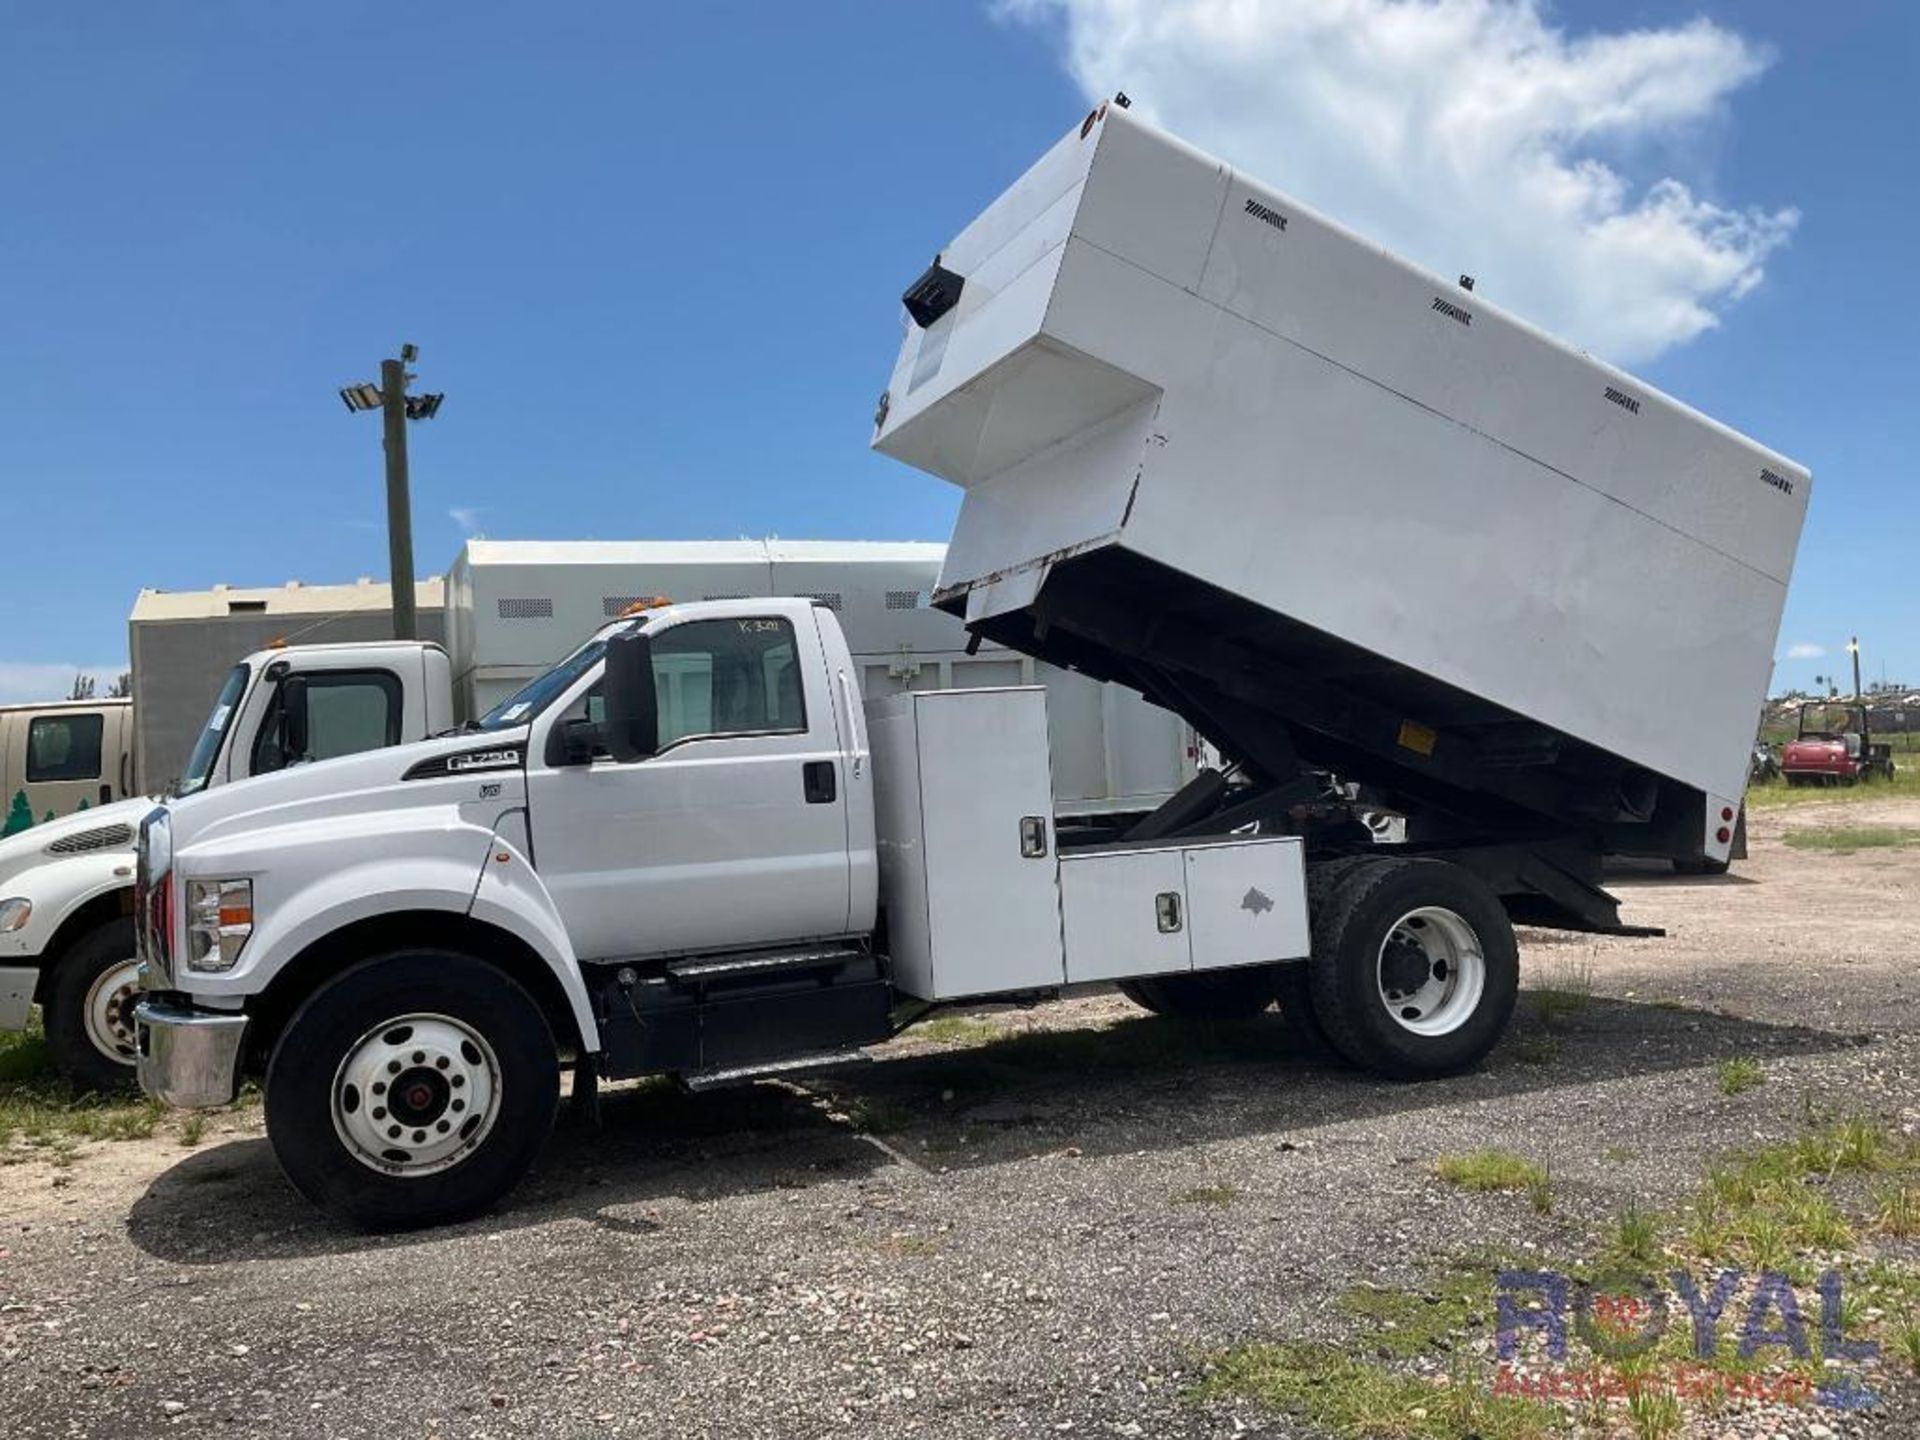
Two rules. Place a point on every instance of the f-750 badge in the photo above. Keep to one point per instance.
(483, 760)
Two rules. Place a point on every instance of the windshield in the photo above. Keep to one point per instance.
(1829, 722)
(533, 697)
(207, 748)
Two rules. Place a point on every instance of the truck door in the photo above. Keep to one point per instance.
(733, 834)
(348, 711)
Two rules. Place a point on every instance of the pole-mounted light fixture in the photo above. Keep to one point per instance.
(397, 407)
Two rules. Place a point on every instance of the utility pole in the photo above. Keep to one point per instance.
(1853, 646)
(393, 414)
(396, 408)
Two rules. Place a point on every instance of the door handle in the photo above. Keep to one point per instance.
(817, 777)
(1033, 837)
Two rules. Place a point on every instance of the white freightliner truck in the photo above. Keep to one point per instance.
(66, 886)
(1337, 514)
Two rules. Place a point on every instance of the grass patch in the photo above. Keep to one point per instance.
(1412, 1364)
(1636, 1237)
(1905, 1342)
(1844, 840)
(1405, 1323)
(42, 1117)
(1778, 795)
(1218, 1196)
(1353, 1400)
(1568, 991)
(958, 1030)
(1738, 1074)
(1896, 1210)
(1492, 1170)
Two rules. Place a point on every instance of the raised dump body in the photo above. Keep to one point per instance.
(1339, 512)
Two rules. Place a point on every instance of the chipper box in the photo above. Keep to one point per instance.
(1346, 517)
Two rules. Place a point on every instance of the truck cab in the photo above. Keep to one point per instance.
(66, 885)
(62, 758)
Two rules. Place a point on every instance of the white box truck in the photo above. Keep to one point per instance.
(690, 849)
(513, 607)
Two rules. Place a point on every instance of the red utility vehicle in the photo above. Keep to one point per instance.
(1835, 746)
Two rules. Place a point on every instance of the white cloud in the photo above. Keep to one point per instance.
(1469, 135)
(1805, 650)
(22, 681)
(468, 519)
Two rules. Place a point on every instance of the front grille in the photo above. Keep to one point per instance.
(105, 837)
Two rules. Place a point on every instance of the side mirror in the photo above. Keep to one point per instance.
(574, 742)
(631, 729)
(293, 718)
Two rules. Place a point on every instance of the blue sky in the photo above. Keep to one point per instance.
(652, 254)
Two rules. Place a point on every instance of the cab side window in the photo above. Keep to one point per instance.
(728, 677)
(348, 711)
(64, 747)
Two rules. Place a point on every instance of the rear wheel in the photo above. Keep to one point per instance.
(1415, 968)
(89, 1009)
(415, 1088)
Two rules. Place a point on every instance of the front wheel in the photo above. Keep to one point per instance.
(89, 1009)
(1415, 968)
(413, 1089)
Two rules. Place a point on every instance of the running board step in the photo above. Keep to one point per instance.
(773, 1069)
(760, 962)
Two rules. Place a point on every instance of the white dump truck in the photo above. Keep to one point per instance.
(66, 887)
(1340, 516)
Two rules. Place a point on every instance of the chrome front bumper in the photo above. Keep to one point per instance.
(188, 1058)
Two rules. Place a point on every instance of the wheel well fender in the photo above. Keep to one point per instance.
(101, 908)
(557, 989)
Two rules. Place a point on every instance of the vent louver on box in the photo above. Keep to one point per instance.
(829, 598)
(613, 605)
(525, 609)
(723, 597)
(903, 599)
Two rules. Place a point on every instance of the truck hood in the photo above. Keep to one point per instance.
(374, 780)
(104, 827)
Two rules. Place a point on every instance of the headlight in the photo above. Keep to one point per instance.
(14, 914)
(219, 920)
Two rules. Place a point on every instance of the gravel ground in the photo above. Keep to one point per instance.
(986, 1240)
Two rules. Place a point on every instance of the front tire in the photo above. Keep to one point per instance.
(1415, 968)
(415, 1088)
(89, 1009)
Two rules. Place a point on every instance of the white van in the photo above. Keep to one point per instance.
(61, 757)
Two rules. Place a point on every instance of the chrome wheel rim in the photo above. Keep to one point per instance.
(1431, 971)
(416, 1094)
(109, 1010)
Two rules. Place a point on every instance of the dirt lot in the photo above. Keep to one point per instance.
(1054, 1221)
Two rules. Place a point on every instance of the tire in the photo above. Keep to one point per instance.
(1217, 995)
(332, 1063)
(88, 1010)
(1294, 982)
(1465, 997)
